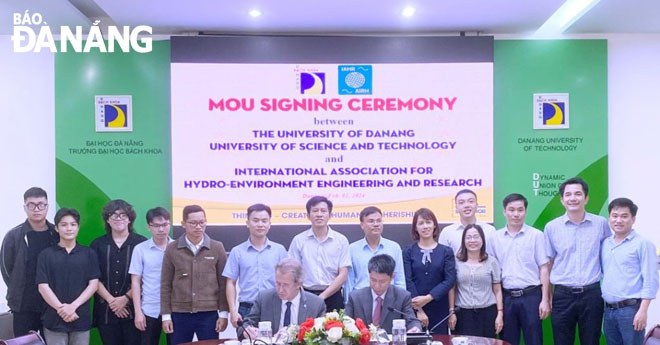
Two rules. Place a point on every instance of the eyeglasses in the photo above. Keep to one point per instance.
(473, 238)
(159, 226)
(119, 216)
(196, 224)
(32, 206)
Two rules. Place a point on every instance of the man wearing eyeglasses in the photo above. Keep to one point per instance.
(192, 288)
(20, 249)
(145, 271)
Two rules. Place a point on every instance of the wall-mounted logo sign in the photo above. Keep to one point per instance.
(113, 113)
(551, 111)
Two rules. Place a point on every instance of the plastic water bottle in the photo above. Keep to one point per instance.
(265, 332)
(398, 332)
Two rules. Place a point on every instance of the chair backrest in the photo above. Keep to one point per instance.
(30, 339)
(653, 336)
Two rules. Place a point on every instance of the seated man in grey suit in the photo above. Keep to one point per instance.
(287, 303)
(377, 303)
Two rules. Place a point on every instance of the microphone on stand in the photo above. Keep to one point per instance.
(451, 312)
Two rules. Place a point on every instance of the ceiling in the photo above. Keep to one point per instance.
(167, 17)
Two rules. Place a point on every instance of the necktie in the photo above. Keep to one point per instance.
(287, 314)
(378, 310)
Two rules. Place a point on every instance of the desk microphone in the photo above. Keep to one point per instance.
(402, 313)
(451, 312)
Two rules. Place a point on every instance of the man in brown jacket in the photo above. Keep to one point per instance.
(192, 291)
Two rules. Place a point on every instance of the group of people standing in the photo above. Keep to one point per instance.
(482, 281)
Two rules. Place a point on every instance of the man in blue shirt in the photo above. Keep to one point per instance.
(373, 243)
(573, 243)
(145, 271)
(252, 263)
(630, 277)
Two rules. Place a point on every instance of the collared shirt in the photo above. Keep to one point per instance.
(113, 262)
(361, 253)
(630, 268)
(68, 275)
(520, 256)
(321, 260)
(452, 235)
(374, 302)
(475, 283)
(254, 268)
(194, 248)
(147, 262)
(295, 305)
(576, 249)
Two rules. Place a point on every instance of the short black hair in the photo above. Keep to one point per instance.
(369, 210)
(257, 208)
(192, 209)
(157, 212)
(381, 263)
(514, 197)
(63, 212)
(113, 206)
(574, 180)
(425, 214)
(34, 192)
(623, 202)
(315, 200)
(463, 191)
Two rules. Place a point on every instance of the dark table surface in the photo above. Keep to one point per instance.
(445, 339)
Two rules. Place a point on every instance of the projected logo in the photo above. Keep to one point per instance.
(114, 113)
(551, 111)
(312, 83)
(355, 79)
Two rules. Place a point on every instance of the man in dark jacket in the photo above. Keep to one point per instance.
(18, 261)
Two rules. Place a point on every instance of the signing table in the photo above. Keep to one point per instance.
(445, 339)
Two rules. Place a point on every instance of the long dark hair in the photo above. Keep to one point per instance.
(462, 253)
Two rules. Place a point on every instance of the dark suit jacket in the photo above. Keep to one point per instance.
(268, 307)
(360, 304)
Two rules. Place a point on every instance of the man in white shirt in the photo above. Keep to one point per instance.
(324, 255)
(466, 206)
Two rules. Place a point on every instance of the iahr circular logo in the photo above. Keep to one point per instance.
(355, 79)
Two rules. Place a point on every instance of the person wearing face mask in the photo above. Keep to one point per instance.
(466, 207)
(18, 262)
(113, 310)
(430, 271)
(478, 290)
(252, 263)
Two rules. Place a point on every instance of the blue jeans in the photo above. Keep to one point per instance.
(187, 324)
(618, 326)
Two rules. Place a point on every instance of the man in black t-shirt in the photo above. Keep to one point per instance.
(18, 262)
(67, 275)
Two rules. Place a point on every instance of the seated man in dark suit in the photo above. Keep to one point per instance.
(372, 304)
(287, 303)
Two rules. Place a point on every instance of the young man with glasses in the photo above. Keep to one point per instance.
(145, 270)
(113, 312)
(192, 289)
(18, 262)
